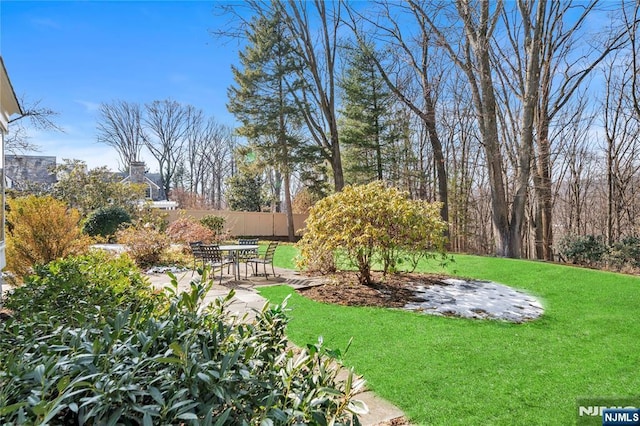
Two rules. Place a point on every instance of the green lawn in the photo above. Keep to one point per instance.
(457, 371)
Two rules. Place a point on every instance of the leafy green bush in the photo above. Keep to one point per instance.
(588, 250)
(105, 221)
(371, 223)
(213, 222)
(625, 253)
(178, 365)
(75, 289)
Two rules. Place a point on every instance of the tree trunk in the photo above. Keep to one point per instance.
(336, 162)
(291, 232)
(544, 198)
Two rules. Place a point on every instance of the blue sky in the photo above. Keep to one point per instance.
(73, 55)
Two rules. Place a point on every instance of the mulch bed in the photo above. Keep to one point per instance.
(392, 291)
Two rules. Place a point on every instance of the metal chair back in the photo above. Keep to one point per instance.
(271, 250)
(244, 255)
(266, 259)
(212, 254)
(195, 247)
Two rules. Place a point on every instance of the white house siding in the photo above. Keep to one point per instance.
(8, 106)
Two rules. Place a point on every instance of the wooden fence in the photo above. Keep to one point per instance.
(248, 223)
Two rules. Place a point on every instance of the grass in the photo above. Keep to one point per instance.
(458, 371)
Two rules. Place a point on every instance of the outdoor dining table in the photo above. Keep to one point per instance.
(233, 250)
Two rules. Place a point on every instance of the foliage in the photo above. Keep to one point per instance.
(303, 201)
(147, 215)
(76, 289)
(625, 253)
(365, 126)
(593, 251)
(175, 365)
(372, 223)
(315, 181)
(245, 191)
(213, 222)
(105, 221)
(583, 249)
(186, 229)
(41, 229)
(88, 190)
(145, 244)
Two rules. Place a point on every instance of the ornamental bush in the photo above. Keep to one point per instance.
(186, 229)
(105, 221)
(145, 244)
(371, 224)
(39, 230)
(175, 363)
(213, 222)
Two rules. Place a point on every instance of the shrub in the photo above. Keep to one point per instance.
(185, 229)
(145, 244)
(180, 365)
(214, 223)
(371, 223)
(41, 229)
(587, 250)
(76, 289)
(149, 216)
(105, 221)
(626, 253)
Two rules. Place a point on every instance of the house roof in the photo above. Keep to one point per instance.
(8, 98)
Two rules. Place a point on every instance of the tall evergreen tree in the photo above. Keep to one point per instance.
(244, 191)
(261, 99)
(365, 119)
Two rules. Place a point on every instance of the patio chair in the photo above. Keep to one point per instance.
(266, 259)
(244, 255)
(212, 255)
(197, 253)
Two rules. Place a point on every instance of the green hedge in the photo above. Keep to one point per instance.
(128, 356)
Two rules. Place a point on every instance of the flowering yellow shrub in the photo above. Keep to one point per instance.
(39, 230)
(371, 223)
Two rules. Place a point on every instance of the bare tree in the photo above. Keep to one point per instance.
(622, 132)
(632, 24)
(119, 126)
(538, 74)
(318, 55)
(166, 123)
(216, 156)
(562, 73)
(34, 117)
(472, 54)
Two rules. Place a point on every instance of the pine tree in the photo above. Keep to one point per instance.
(365, 122)
(261, 99)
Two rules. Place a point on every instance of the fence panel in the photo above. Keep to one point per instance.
(248, 223)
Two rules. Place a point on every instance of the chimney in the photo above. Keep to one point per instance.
(136, 172)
